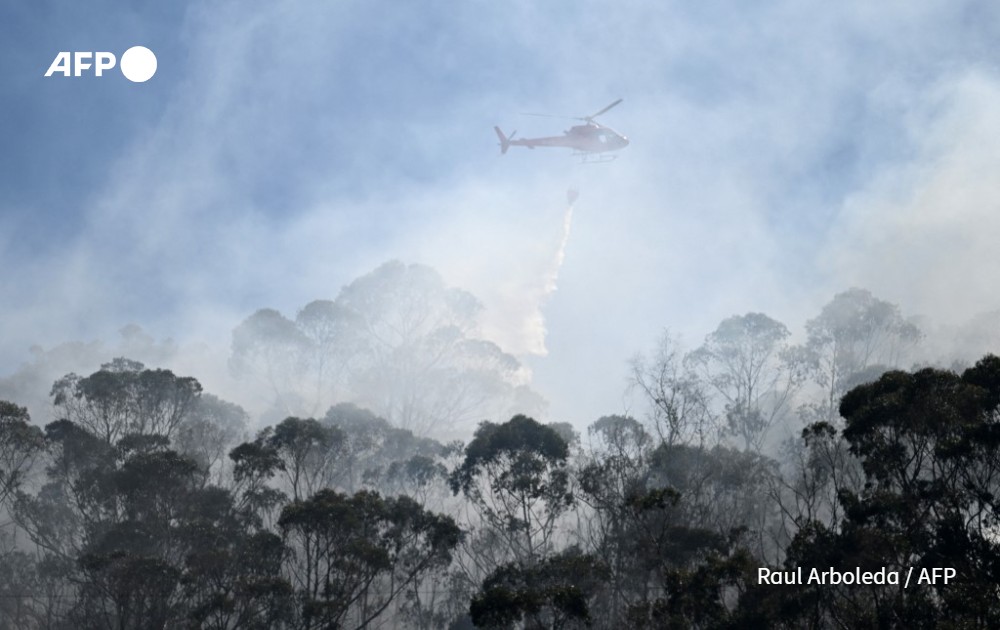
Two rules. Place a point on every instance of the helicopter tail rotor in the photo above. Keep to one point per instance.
(504, 140)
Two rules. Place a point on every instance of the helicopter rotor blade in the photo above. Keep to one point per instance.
(603, 110)
(549, 116)
(583, 118)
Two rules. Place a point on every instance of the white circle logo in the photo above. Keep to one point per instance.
(138, 64)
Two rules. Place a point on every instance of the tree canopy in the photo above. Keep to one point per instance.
(146, 502)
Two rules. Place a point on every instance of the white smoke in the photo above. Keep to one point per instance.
(509, 256)
(924, 234)
(515, 319)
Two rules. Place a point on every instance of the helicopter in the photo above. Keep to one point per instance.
(586, 140)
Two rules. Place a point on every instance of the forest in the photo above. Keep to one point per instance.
(394, 473)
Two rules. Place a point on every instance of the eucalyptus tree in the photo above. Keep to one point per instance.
(398, 341)
(676, 395)
(126, 529)
(210, 430)
(21, 445)
(748, 363)
(352, 557)
(928, 443)
(856, 337)
(615, 469)
(124, 398)
(371, 447)
(270, 352)
(558, 592)
(517, 477)
(670, 530)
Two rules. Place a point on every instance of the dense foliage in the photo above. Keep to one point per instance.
(146, 503)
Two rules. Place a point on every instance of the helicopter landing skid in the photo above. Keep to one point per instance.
(590, 158)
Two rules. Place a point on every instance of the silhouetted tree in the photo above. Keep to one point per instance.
(354, 555)
(555, 593)
(928, 444)
(124, 398)
(516, 475)
(21, 443)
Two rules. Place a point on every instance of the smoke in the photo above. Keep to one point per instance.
(780, 153)
(924, 233)
(515, 318)
(508, 253)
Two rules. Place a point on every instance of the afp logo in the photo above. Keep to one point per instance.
(138, 64)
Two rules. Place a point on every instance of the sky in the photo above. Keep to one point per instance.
(781, 151)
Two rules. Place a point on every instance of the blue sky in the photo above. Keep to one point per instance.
(781, 151)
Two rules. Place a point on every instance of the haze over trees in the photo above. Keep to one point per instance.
(397, 341)
(145, 501)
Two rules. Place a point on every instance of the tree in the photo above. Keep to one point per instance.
(303, 451)
(254, 465)
(354, 555)
(128, 562)
(125, 398)
(124, 591)
(679, 406)
(142, 542)
(127, 531)
(928, 444)
(674, 573)
(854, 332)
(212, 428)
(31, 384)
(616, 469)
(416, 477)
(73, 495)
(332, 346)
(556, 593)
(516, 475)
(720, 490)
(270, 350)
(671, 523)
(747, 362)
(397, 341)
(372, 446)
(816, 468)
(21, 444)
(420, 365)
(232, 573)
(307, 450)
